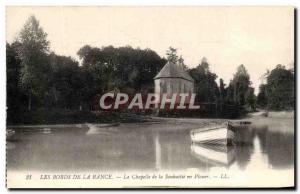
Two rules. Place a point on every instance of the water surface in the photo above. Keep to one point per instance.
(164, 145)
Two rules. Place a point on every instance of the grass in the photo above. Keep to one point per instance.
(42, 116)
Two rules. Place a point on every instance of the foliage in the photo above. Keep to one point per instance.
(241, 83)
(280, 89)
(239, 91)
(15, 96)
(40, 80)
(32, 53)
(172, 55)
(251, 98)
(67, 83)
(123, 68)
(205, 86)
(278, 92)
(222, 90)
(262, 100)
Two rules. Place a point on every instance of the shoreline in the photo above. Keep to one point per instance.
(153, 119)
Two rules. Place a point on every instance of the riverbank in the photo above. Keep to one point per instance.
(58, 116)
(61, 119)
(281, 121)
(147, 121)
(53, 117)
(272, 114)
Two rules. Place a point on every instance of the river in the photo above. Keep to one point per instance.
(268, 144)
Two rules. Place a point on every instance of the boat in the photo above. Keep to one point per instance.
(238, 124)
(243, 132)
(45, 130)
(107, 125)
(214, 154)
(103, 129)
(10, 135)
(213, 135)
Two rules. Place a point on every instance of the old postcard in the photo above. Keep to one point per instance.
(150, 97)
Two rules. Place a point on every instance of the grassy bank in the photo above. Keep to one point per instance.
(61, 116)
(71, 117)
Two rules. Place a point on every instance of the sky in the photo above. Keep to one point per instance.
(258, 37)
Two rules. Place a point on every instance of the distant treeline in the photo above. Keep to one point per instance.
(38, 79)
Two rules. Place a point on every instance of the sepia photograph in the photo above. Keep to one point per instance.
(171, 97)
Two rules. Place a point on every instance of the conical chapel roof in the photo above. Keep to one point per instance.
(171, 70)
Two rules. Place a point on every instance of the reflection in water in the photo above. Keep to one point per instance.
(243, 155)
(150, 146)
(157, 153)
(279, 147)
(215, 154)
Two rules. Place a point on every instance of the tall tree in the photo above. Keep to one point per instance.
(241, 83)
(262, 100)
(15, 96)
(205, 82)
(222, 90)
(280, 88)
(32, 52)
(66, 83)
(172, 55)
(251, 98)
(182, 64)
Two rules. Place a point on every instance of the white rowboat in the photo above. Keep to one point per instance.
(217, 135)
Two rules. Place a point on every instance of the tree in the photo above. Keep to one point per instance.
(89, 55)
(33, 52)
(66, 83)
(13, 71)
(15, 96)
(125, 68)
(280, 89)
(229, 99)
(251, 98)
(182, 64)
(262, 100)
(205, 84)
(222, 90)
(172, 55)
(241, 83)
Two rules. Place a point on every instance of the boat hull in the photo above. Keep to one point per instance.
(220, 136)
